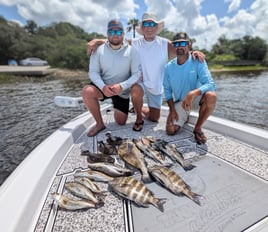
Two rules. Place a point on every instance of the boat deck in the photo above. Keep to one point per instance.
(231, 176)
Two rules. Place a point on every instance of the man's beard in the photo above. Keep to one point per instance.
(118, 42)
(180, 52)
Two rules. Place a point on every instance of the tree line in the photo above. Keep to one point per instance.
(63, 45)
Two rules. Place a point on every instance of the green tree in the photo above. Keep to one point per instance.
(132, 26)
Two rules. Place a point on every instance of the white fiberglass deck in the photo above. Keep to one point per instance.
(230, 175)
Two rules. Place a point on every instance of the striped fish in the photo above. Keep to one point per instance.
(134, 190)
(171, 151)
(129, 152)
(70, 204)
(172, 181)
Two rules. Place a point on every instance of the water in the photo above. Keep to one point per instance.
(29, 115)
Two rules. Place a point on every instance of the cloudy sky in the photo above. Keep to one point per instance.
(205, 20)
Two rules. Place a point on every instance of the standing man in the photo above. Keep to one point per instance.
(188, 85)
(113, 69)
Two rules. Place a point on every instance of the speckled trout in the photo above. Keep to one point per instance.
(172, 181)
(132, 155)
(134, 190)
(113, 170)
(70, 204)
(90, 185)
(93, 175)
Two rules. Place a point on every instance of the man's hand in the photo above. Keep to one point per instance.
(93, 45)
(200, 55)
(172, 116)
(116, 88)
(108, 91)
(187, 103)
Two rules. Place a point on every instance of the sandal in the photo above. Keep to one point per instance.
(138, 126)
(95, 130)
(200, 137)
(131, 110)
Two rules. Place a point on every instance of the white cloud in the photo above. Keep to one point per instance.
(178, 15)
(234, 5)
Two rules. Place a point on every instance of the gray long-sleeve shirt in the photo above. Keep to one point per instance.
(108, 66)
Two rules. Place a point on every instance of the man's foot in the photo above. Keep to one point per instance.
(138, 126)
(94, 131)
(200, 137)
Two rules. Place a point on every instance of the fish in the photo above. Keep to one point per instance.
(113, 170)
(132, 155)
(134, 190)
(171, 151)
(97, 157)
(90, 185)
(106, 149)
(113, 140)
(70, 204)
(80, 190)
(149, 151)
(173, 182)
(94, 175)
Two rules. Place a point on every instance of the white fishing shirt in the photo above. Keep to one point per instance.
(153, 58)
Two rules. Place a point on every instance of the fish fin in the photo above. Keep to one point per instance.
(160, 203)
(188, 166)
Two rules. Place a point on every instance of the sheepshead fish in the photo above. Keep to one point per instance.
(97, 157)
(173, 153)
(172, 181)
(106, 149)
(80, 190)
(145, 146)
(110, 169)
(70, 204)
(131, 155)
(134, 190)
(93, 175)
(90, 185)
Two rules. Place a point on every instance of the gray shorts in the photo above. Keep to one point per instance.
(154, 101)
(182, 113)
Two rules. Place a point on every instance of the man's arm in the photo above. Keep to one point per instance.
(92, 45)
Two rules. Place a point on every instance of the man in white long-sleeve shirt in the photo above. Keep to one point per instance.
(113, 69)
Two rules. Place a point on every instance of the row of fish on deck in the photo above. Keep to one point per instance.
(120, 179)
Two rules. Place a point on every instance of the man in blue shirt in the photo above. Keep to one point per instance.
(188, 85)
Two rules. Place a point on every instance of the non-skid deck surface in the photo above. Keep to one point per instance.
(232, 199)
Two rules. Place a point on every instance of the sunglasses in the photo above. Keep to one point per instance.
(179, 44)
(115, 32)
(149, 24)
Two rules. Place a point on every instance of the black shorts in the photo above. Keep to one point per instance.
(119, 103)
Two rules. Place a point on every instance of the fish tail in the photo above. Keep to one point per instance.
(146, 179)
(188, 166)
(159, 203)
(195, 198)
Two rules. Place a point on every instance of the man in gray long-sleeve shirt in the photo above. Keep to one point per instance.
(113, 69)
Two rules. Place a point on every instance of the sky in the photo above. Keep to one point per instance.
(203, 20)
